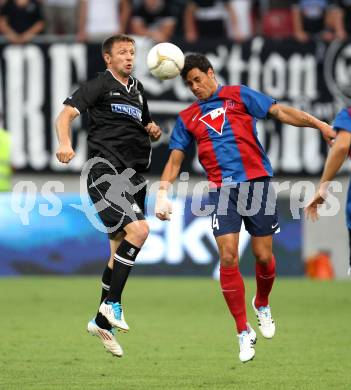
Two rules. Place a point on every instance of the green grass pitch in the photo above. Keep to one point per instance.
(182, 337)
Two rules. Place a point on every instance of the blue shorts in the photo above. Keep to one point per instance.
(253, 202)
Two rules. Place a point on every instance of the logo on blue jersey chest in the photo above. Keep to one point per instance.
(215, 119)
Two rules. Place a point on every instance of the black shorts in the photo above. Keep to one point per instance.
(119, 197)
(253, 202)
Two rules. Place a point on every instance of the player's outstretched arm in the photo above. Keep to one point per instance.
(336, 157)
(295, 117)
(163, 207)
(65, 152)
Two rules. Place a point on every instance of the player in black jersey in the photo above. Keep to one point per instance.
(119, 141)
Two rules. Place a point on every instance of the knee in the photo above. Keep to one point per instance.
(264, 257)
(139, 232)
(143, 231)
(229, 258)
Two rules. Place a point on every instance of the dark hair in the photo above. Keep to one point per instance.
(108, 42)
(195, 61)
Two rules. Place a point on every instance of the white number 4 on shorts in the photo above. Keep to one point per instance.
(215, 223)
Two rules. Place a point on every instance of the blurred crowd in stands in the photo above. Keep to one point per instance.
(166, 20)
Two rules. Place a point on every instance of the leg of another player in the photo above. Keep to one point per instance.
(135, 235)
(233, 290)
(265, 275)
(232, 283)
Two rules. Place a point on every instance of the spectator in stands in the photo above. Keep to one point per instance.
(176, 8)
(243, 12)
(311, 18)
(342, 18)
(207, 19)
(21, 20)
(153, 19)
(98, 19)
(276, 18)
(61, 16)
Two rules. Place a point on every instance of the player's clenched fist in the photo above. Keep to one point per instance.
(65, 153)
(154, 131)
(328, 133)
(163, 207)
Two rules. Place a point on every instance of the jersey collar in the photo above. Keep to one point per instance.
(128, 86)
(214, 96)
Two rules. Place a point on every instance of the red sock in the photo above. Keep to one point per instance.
(265, 274)
(233, 290)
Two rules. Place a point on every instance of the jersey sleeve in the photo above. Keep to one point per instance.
(256, 103)
(343, 120)
(181, 138)
(145, 116)
(85, 96)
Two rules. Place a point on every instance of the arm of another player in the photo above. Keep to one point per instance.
(295, 117)
(337, 155)
(163, 207)
(65, 152)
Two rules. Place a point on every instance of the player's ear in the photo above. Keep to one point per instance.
(107, 59)
(210, 73)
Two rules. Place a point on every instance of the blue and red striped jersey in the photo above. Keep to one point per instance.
(342, 120)
(224, 128)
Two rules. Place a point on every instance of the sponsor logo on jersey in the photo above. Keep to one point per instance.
(215, 119)
(127, 110)
(195, 116)
(115, 93)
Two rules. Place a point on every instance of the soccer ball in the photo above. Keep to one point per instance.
(165, 61)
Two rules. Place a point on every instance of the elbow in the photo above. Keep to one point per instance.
(57, 120)
(41, 26)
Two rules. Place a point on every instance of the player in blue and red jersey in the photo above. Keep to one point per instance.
(222, 121)
(337, 155)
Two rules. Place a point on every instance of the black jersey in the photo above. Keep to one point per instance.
(117, 116)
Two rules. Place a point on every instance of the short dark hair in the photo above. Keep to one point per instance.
(195, 61)
(108, 42)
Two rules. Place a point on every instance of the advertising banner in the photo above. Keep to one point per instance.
(53, 234)
(36, 78)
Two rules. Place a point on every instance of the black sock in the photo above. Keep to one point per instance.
(100, 320)
(124, 261)
(105, 283)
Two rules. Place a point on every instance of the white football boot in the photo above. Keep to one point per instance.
(114, 314)
(107, 338)
(265, 321)
(247, 340)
